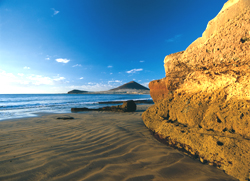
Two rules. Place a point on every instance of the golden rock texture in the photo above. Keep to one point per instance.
(203, 104)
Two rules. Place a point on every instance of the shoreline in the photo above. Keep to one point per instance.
(93, 146)
(41, 113)
(18, 106)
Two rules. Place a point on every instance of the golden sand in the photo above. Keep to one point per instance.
(93, 146)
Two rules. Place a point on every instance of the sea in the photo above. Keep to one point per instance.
(30, 105)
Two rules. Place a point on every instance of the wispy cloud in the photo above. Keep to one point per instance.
(31, 79)
(22, 83)
(47, 57)
(4, 73)
(26, 67)
(114, 81)
(145, 84)
(142, 61)
(93, 86)
(110, 66)
(55, 12)
(61, 60)
(59, 79)
(77, 65)
(43, 80)
(81, 78)
(134, 71)
(111, 73)
(39, 80)
(8, 81)
(174, 39)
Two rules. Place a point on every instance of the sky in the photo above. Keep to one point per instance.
(54, 46)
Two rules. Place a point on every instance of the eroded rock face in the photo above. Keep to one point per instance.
(203, 103)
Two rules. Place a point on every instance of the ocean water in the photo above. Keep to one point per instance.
(28, 105)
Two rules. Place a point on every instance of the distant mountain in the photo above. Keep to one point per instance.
(77, 92)
(130, 85)
(128, 88)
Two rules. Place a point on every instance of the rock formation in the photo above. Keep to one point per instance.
(202, 106)
(127, 106)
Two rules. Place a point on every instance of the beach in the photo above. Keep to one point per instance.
(93, 146)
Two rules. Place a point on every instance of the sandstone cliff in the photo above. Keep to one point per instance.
(203, 104)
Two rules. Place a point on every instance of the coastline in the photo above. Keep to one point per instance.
(93, 146)
(19, 106)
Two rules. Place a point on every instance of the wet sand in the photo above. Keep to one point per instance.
(93, 146)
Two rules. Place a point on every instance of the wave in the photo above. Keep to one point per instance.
(12, 106)
(67, 104)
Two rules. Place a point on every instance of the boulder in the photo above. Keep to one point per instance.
(127, 106)
(202, 106)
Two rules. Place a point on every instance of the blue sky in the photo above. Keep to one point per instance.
(54, 46)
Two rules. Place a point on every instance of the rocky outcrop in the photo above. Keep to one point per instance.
(127, 106)
(203, 104)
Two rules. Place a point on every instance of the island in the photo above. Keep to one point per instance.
(77, 92)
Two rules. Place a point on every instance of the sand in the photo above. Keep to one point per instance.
(93, 146)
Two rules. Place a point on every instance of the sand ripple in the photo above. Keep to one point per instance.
(93, 146)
